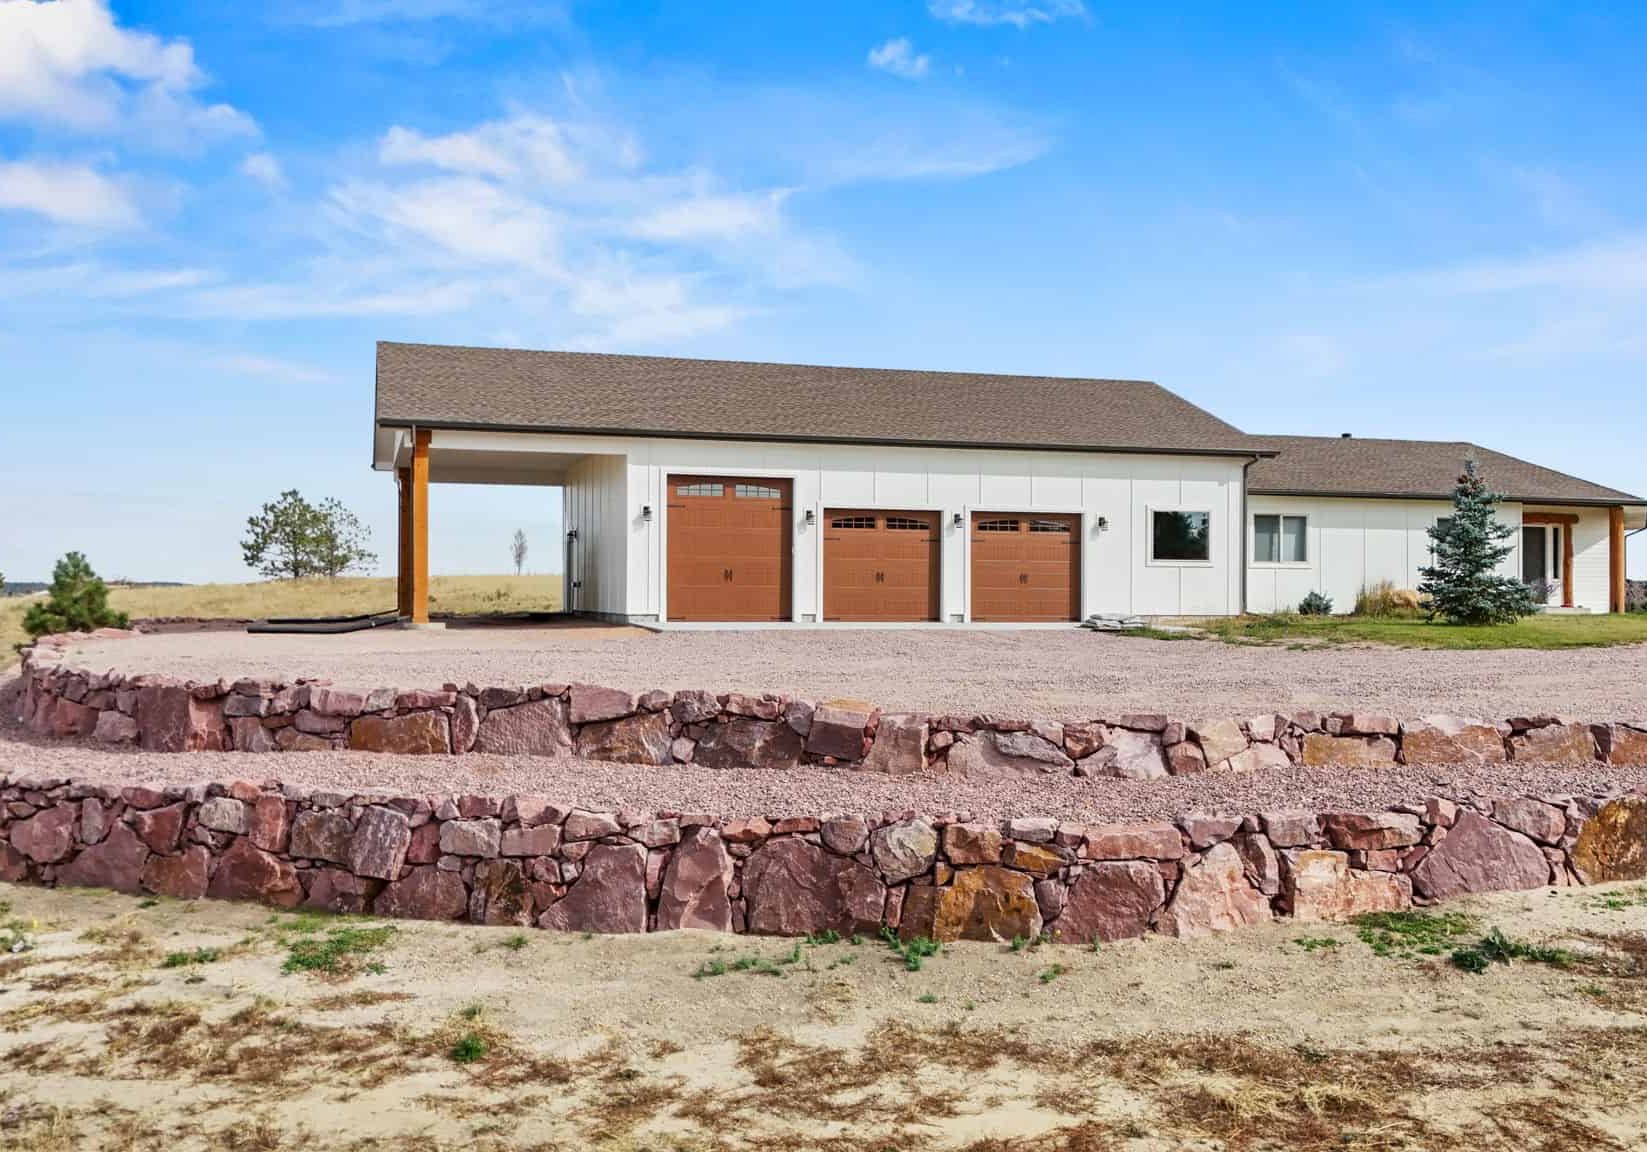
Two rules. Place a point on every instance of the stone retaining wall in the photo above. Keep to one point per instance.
(734, 730)
(529, 860)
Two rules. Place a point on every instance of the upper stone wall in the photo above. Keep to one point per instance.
(737, 730)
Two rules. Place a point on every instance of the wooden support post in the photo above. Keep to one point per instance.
(403, 550)
(418, 608)
(1615, 557)
(1567, 565)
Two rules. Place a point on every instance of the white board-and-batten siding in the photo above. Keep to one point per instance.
(1116, 488)
(1354, 542)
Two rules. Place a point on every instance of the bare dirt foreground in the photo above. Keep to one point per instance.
(150, 1025)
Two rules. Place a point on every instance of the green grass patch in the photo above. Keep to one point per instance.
(926, 998)
(913, 952)
(338, 952)
(1497, 948)
(1316, 943)
(468, 1048)
(1412, 932)
(1620, 900)
(1147, 633)
(1048, 975)
(194, 956)
(1539, 631)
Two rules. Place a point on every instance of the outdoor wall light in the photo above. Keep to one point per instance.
(958, 520)
(1103, 523)
(646, 512)
(572, 534)
(811, 516)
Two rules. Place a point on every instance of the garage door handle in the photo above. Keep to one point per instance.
(726, 573)
(1023, 577)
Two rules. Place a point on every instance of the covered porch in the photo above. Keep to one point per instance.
(1577, 554)
(420, 457)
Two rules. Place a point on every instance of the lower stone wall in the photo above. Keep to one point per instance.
(738, 730)
(529, 860)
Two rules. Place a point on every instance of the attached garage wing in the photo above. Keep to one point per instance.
(880, 566)
(1025, 568)
(729, 548)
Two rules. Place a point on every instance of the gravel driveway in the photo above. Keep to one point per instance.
(1056, 674)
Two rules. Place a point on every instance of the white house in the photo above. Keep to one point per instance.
(699, 490)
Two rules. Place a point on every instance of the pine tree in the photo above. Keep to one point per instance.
(1463, 583)
(79, 601)
(291, 539)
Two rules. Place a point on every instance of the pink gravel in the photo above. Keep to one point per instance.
(808, 791)
(1054, 674)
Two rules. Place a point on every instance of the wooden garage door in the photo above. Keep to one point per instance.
(880, 565)
(1024, 567)
(729, 553)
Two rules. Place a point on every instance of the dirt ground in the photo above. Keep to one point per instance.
(1057, 674)
(156, 1025)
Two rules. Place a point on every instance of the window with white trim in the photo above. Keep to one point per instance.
(1280, 539)
(1180, 536)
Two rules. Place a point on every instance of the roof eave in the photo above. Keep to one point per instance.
(1622, 500)
(556, 430)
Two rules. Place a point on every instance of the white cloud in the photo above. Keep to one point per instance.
(67, 194)
(714, 217)
(536, 217)
(271, 368)
(1014, 12)
(465, 218)
(521, 146)
(1614, 265)
(68, 63)
(898, 57)
(265, 169)
(343, 13)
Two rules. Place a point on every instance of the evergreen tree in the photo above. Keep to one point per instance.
(291, 539)
(78, 602)
(1463, 582)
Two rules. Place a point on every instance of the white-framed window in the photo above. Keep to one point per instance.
(1180, 536)
(1280, 538)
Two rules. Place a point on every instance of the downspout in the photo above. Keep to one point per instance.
(1242, 529)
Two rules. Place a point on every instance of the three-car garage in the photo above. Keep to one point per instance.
(730, 558)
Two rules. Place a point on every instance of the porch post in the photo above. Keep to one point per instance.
(1567, 565)
(418, 568)
(403, 548)
(1615, 557)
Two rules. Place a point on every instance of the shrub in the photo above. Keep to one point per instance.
(1384, 600)
(1315, 604)
(79, 601)
(1463, 583)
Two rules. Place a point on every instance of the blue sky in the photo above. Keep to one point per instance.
(1394, 219)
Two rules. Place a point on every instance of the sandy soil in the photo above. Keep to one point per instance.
(1060, 674)
(1285, 1036)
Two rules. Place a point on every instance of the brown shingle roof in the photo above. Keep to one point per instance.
(1337, 466)
(452, 387)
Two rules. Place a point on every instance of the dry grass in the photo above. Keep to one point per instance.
(224, 1067)
(464, 595)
